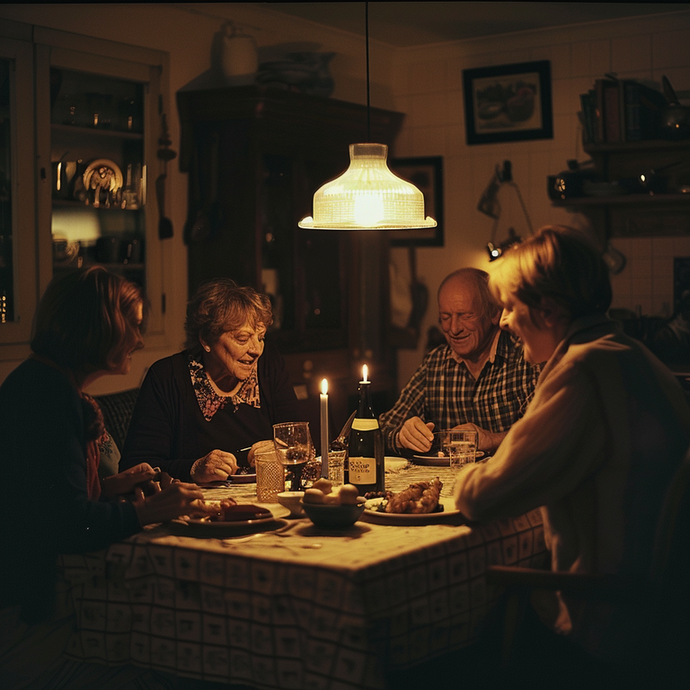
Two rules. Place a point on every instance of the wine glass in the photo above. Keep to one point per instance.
(295, 448)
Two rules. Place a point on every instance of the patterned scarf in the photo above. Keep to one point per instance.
(210, 402)
(95, 435)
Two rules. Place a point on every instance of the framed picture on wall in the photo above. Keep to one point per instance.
(427, 175)
(508, 102)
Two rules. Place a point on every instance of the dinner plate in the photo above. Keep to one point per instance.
(196, 527)
(449, 514)
(242, 478)
(114, 174)
(439, 461)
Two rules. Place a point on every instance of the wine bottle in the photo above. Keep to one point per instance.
(365, 465)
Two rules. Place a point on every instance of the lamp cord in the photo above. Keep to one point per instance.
(366, 36)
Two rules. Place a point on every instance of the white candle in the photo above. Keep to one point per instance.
(324, 428)
(365, 374)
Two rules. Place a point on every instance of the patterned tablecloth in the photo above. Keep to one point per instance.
(304, 608)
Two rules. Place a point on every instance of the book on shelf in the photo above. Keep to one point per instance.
(613, 131)
(587, 105)
(621, 110)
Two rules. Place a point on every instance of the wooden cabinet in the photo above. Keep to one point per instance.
(255, 157)
(656, 206)
(80, 136)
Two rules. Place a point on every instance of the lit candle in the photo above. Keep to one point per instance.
(365, 374)
(324, 428)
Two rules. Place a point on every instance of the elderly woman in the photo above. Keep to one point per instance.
(600, 442)
(200, 411)
(87, 326)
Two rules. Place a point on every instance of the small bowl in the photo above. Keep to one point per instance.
(291, 500)
(334, 516)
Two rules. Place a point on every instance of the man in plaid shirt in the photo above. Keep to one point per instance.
(479, 380)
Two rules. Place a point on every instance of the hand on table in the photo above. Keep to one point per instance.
(488, 441)
(142, 475)
(259, 447)
(214, 466)
(171, 502)
(416, 435)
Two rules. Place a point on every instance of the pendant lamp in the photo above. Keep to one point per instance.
(368, 196)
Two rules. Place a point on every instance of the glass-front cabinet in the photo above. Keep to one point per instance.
(98, 173)
(95, 113)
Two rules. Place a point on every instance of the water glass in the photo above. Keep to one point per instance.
(270, 476)
(336, 466)
(462, 447)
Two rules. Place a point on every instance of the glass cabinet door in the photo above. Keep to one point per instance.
(18, 291)
(98, 121)
(98, 173)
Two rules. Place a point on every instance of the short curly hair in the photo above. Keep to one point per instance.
(560, 263)
(220, 306)
(87, 318)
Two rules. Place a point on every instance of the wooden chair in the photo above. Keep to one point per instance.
(662, 598)
(117, 411)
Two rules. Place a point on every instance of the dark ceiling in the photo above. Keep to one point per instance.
(407, 24)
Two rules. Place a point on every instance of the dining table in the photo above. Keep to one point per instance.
(289, 605)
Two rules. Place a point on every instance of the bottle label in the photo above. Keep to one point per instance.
(362, 470)
(364, 424)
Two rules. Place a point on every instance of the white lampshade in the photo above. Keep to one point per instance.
(368, 196)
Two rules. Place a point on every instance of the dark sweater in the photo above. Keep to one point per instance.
(45, 508)
(168, 429)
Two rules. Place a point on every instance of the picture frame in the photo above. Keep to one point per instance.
(427, 175)
(508, 102)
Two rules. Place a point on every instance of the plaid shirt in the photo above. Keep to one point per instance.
(443, 391)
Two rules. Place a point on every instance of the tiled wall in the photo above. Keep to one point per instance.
(645, 286)
(427, 85)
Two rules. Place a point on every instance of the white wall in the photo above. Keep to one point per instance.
(427, 85)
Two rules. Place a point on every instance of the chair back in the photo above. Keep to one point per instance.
(117, 411)
(670, 566)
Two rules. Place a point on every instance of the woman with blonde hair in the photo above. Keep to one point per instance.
(599, 444)
(201, 412)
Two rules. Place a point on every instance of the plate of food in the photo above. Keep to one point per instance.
(419, 504)
(244, 475)
(439, 459)
(234, 520)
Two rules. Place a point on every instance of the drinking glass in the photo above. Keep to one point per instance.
(336, 466)
(461, 447)
(270, 476)
(295, 448)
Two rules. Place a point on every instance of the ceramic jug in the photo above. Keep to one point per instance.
(238, 53)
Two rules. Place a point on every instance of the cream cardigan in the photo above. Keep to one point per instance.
(596, 449)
